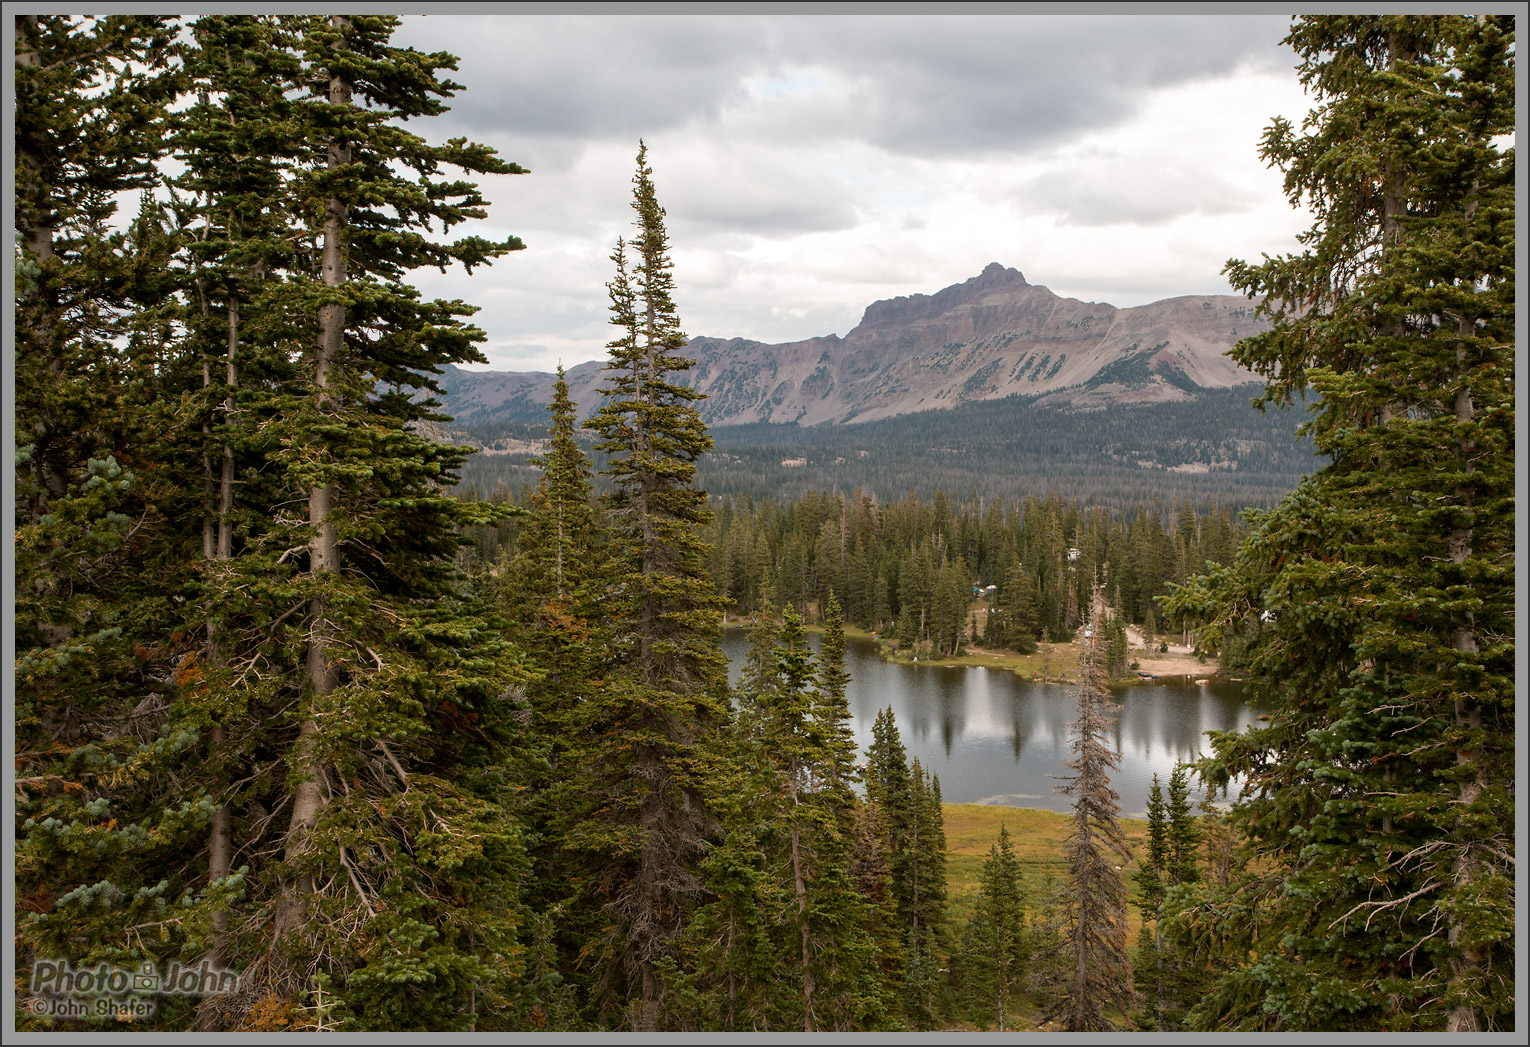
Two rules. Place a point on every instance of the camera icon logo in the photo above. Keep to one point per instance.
(147, 979)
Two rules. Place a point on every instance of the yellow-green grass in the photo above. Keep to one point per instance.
(1037, 837)
(1057, 662)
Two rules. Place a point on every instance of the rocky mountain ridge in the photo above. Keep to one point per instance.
(990, 337)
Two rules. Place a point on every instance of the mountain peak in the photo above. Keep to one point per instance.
(924, 306)
(986, 338)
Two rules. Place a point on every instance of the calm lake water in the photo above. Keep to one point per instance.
(994, 738)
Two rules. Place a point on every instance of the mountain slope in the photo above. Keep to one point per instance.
(990, 337)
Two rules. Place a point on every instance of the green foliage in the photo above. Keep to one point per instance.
(162, 566)
(1378, 797)
(648, 736)
(996, 948)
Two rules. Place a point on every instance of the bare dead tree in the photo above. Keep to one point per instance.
(1094, 925)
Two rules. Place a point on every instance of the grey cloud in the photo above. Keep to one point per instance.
(578, 77)
(924, 84)
(1006, 83)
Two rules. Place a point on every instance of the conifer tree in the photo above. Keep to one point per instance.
(825, 975)
(1379, 796)
(233, 215)
(102, 831)
(1168, 978)
(413, 672)
(832, 720)
(402, 748)
(559, 536)
(999, 948)
(546, 587)
(546, 590)
(665, 680)
(1184, 835)
(1095, 925)
(1152, 878)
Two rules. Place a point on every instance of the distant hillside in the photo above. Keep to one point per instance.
(1214, 448)
(989, 338)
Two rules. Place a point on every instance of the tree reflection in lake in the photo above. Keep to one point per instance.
(994, 738)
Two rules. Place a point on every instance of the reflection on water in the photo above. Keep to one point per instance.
(995, 738)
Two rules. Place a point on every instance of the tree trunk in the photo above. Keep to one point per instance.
(1464, 965)
(799, 886)
(218, 551)
(38, 313)
(324, 553)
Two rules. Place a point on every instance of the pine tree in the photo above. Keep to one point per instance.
(546, 586)
(1168, 977)
(402, 752)
(999, 949)
(1152, 879)
(103, 831)
(1379, 796)
(825, 956)
(836, 772)
(1095, 925)
(233, 216)
(559, 536)
(547, 590)
(433, 681)
(654, 723)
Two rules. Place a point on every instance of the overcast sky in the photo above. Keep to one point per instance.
(811, 165)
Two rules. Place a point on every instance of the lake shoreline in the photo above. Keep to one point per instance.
(1052, 662)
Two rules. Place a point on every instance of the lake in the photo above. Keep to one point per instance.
(994, 738)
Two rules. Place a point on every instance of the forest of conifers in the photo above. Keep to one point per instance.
(1003, 449)
(293, 708)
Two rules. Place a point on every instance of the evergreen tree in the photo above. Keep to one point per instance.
(653, 725)
(559, 535)
(106, 838)
(836, 769)
(1183, 864)
(1379, 796)
(233, 217)
(546, 589)
(1151, 878)
(1168, 978)
(999, 944)
(394, 659)
(390, 754)
(1095, 925)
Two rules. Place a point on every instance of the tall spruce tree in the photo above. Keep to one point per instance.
(406, 707)
(545, 588)
(103, 832)
(233, 214)
(1095, 923)
(1379, 797)
(398, 733)
(654, 723)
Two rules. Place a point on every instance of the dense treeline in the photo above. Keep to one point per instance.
(913, 569)
(916, 571)
(287, 707)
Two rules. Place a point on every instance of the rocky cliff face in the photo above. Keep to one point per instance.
(992, 336)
